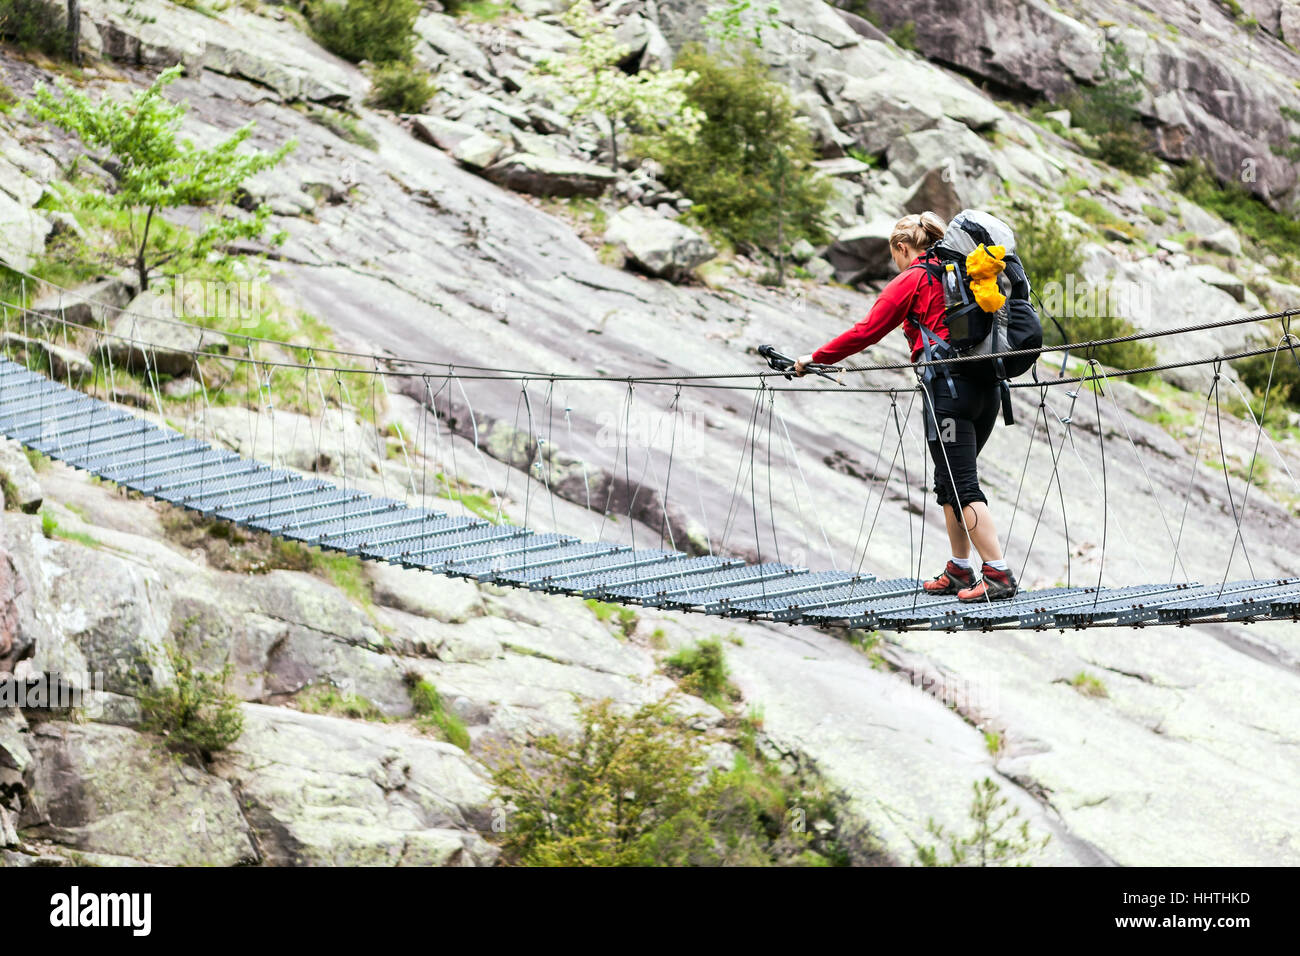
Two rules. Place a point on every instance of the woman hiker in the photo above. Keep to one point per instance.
(963, 420)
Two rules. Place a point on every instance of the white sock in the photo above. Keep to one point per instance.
(963, 563)
(999, 565)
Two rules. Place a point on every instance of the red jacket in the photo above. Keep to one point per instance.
(910, 293)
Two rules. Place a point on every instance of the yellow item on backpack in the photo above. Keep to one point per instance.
(983, 266)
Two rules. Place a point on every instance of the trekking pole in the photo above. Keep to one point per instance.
(783, 364)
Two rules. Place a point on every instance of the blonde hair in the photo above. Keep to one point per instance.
(920, 231)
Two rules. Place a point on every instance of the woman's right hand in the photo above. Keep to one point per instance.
(801, 365)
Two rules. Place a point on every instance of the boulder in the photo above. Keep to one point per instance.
(1225, 281)
(109, 618)
(840, 166)
(646, 46)
(95, 304)
(802, 251)
(144, 337)
(962, 157)
(478, 151)
(272, 53)
(327, 791)
(934, 191)
(541, 8)
(17, 471)
(335, 442)
(441, 132)
(861, 253)
(1224, 241)
(107, 789)
(11, 642)
(657, 245)
(436, 596)
(444, 35)
(549, 176)
(1289, 22)
(22, 234)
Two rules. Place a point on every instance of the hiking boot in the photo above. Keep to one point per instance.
(951, 580)
(994, 585)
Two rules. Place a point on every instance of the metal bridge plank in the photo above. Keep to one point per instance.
(435, 543)
(789, 611)
(353, 513)
(762, 592)
(439, 558)
(1123, 606)
(1237, 600)
(401, 534)
(492, 569)
(306, 500)
(632, 570)
(682, 593)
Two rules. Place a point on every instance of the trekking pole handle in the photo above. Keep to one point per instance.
(782, 363)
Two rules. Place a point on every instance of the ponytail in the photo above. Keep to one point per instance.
(919, 231)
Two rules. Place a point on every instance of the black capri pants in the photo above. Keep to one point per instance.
(962, 424)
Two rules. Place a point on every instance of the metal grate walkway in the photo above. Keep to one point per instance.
(116, 445)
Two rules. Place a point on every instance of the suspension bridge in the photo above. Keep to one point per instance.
(63, 420)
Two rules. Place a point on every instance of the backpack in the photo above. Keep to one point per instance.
(974, 329)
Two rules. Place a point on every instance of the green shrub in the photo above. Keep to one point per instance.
(1053, 262)
(748, 168)
(33, 25)
(401, 87)
(343, 126)
(1088, 686)
(381, 31)
(1277, 232)
(905, 35)
(989, 842)
(1275, 386)
(702, 670)
(197, 714)
(330, 700)
(1107, 112)
(631, 790)
(432, 715)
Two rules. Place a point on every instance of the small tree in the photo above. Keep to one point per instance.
(990, 842)
(156, 170)
(197, 714)
(1108, 111)
(749, 166)
(592, 79)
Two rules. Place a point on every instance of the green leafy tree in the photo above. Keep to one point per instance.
(993, 840)
(748, 168)
(156, 170)
(381, 31)
(596, 89)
